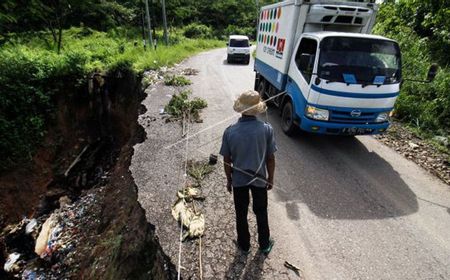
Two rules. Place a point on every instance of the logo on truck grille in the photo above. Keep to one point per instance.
(355, 113)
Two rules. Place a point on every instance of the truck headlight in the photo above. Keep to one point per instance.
(316, 113)
(382, 117)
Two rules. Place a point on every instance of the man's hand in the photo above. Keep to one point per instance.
(269, 184)
(229, 186)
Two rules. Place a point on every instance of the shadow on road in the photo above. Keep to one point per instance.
(237, 266)
(337, 178)
(255, 267)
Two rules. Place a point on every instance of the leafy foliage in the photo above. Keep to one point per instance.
(425, 106)
(180, 104)
(174, 80)
(195, 30)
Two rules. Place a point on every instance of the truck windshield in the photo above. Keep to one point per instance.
(366, 61)
(238, 43)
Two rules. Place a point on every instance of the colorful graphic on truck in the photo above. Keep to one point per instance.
(267, 32)
(280, 48)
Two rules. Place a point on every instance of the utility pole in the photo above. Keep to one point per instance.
(143, 28)
(166, 35)
(149, 26)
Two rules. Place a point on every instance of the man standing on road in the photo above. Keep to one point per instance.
(248, 149)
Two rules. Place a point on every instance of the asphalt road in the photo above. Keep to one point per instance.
(342, 208)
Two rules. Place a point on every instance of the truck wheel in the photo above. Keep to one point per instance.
(287, 119)
(262, 88)
(228, 59)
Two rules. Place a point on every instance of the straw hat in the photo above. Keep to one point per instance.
(249, 103)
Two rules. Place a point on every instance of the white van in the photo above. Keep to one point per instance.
(238, 49)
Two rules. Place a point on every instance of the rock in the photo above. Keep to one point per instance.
(441, 140)
(64, 200)
(413, 145)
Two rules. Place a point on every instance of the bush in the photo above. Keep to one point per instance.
(28, 82)
(180, 104)
(424, 106)
(173, 80)
(195, 30)
(235, 30)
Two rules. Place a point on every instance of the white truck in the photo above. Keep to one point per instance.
(318, 63)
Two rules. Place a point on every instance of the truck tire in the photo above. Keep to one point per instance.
(228, 59)
(287, 119)
(262, 88)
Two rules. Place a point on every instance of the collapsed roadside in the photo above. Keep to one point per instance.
(89, 224)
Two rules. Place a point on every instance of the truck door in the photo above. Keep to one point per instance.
(300, 73)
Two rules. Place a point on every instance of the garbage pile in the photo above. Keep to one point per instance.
(46, 247)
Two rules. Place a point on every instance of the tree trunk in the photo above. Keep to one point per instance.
(59, 37)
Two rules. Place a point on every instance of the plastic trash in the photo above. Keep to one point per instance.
(30, 226)
(9, 264)
(29, 275)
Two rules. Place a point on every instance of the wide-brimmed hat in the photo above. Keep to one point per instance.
(249, 103)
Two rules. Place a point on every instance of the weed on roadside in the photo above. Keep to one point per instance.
(177, 81)
(180, 105)
(198, 170)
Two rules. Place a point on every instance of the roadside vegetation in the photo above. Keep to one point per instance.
(32, 73)
(422, 29)
(178, 81)
(181, 106)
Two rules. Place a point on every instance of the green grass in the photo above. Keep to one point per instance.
(102, 50)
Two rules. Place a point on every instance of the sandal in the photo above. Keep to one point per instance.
(267, 250)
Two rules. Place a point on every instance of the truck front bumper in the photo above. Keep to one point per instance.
(323, 127)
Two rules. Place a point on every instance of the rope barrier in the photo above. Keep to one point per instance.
(184, 184)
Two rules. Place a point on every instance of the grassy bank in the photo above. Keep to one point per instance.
(32, 73)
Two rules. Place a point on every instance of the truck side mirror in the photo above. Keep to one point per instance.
(227, 43)
(432, 72)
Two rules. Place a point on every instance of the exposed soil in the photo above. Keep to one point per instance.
(81, 177)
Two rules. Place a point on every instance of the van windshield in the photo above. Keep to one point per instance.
(366, 61)
(239, 43)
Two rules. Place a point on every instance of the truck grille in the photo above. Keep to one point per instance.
(344, 116)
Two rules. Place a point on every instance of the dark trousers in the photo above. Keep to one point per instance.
(241, 201)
